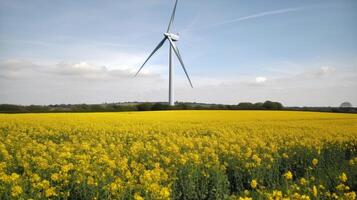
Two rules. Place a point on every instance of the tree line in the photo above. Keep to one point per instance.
(139, 106)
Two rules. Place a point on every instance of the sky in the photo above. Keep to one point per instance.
(300, 53)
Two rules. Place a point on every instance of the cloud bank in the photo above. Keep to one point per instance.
(26, 82)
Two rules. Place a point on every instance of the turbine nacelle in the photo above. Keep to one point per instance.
(174, 37)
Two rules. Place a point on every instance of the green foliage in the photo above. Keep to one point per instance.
(125, 107)
(194, 183)
(144, 107)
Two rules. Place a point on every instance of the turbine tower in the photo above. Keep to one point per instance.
(172, 38)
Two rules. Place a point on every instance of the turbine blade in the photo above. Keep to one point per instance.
(172, 17)
(177, 52)
(157, 48)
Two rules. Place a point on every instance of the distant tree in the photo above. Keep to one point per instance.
(258, 106)
(231, 107)
(182, 106)
(96, 108)
(160, 106)
(81, 107)
(34, 108)
(144, 107)
(270, 105)
(346, 105)
(11, 108)
(245, 106)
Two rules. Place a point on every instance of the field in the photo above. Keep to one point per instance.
(179, 155)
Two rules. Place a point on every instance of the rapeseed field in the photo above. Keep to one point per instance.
(179, 155)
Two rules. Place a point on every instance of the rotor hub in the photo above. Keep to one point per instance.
(174, 37)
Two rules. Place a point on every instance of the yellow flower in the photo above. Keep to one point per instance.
(321, 187)
(144, 155)
(315, 162)
(67, 167)
(297, 196)
(113, 187)
(312, 178)
(335, 196)
(165, 193)
(35, 178)
(350, 196)
(257, 159)
(351, 162)
(90, 181)
(16, 191)
(314, 191)
(277, 194)
(246, 192)
(253, 183)
(14, 177)
(245, 198)
(288, 175)
(303, 181)
(50, 192)
(341, 187)
(138, 197)
(55, 177)
(343, 177)
(285, 155)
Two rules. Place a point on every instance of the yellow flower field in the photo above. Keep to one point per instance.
(179, 155)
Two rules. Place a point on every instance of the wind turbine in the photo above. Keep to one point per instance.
(172, 38)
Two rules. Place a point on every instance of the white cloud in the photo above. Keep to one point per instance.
(250, 81)
(23, 69)
(87, 71)
(321, 72)
(260, 79)
(326, 71)
(314, 86)
(25, 82)
(17, 69)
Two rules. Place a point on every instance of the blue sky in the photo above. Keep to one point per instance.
(297, 52)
